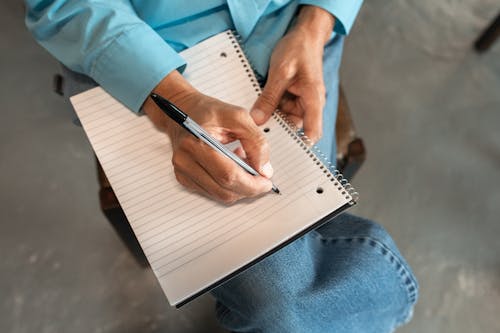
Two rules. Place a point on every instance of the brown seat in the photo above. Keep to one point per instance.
(351, 151)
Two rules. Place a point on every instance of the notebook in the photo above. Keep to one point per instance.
(192, 243)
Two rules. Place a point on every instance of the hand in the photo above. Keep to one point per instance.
(295, 79)
(196, 165)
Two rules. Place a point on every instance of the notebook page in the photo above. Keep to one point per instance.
(190, 241)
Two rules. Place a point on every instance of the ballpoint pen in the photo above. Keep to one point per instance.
(192, 127)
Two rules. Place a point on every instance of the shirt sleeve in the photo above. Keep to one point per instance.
(345, 12)
(105, 40)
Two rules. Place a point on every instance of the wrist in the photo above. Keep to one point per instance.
(317, 22)
(176, 89)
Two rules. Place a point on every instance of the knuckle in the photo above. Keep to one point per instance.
(322, 94)
(322, 89)
(285, 71)
(177, 161)
(228, 198)
(269, 98)
(316, 135)
(240, 114)
(189, 143)
(227, 178)
(260, 141)
(180, 179)
(254, 192)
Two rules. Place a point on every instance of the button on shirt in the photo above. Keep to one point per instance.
(129, 46)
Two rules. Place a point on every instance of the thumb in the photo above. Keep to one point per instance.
(253, 142)
(268, 101)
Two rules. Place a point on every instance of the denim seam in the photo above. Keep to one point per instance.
(407, 280)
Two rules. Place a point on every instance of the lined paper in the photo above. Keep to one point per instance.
(190, 241)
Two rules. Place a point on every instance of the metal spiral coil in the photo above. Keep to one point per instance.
(317, 157)
(255, 78)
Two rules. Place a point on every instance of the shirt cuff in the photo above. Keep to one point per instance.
(345, 12)
(133, 64)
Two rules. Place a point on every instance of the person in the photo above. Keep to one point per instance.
(346, 276)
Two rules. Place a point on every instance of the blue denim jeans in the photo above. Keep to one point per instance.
(346, 276)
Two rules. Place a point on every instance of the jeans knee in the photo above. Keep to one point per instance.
(368, 261)
(348, 270)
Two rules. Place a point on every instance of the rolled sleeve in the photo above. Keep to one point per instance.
(133, 64)
(105, 40)
(345, 12)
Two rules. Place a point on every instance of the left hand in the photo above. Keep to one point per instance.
(295, 79)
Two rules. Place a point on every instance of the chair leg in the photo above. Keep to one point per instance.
(351, 151)
(489, 36)
(354, 158)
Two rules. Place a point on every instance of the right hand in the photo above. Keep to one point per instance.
(196, 165)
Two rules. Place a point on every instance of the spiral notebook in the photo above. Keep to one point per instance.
(194, 244)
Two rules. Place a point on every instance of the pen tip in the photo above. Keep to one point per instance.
(276, 190)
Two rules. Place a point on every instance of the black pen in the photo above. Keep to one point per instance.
(192, 127)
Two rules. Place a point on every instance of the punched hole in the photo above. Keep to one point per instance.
(266, 130)
(319, 190)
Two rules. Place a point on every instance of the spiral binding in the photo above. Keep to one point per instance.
(256, 79)
(298, 136)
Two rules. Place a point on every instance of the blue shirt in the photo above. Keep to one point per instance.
(129, 46)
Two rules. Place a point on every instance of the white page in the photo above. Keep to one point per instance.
(190, 241)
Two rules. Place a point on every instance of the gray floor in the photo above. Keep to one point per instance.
(429, 111)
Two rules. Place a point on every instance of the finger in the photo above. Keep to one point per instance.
(240, 152)
(312, 102)
(185, 181)
(288, 103)
(292, 110)
(192, 175)
(253, 141)
(230, 176)
(221, 195)
(269, 99)
(298, 121)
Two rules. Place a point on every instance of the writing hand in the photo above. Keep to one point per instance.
(295, 78)
(196, 165)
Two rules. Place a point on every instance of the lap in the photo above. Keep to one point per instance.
(339, 278)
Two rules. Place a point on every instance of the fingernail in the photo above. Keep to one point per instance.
(258, 115)
(267, 170)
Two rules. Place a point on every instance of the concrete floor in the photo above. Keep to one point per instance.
(427, 106)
